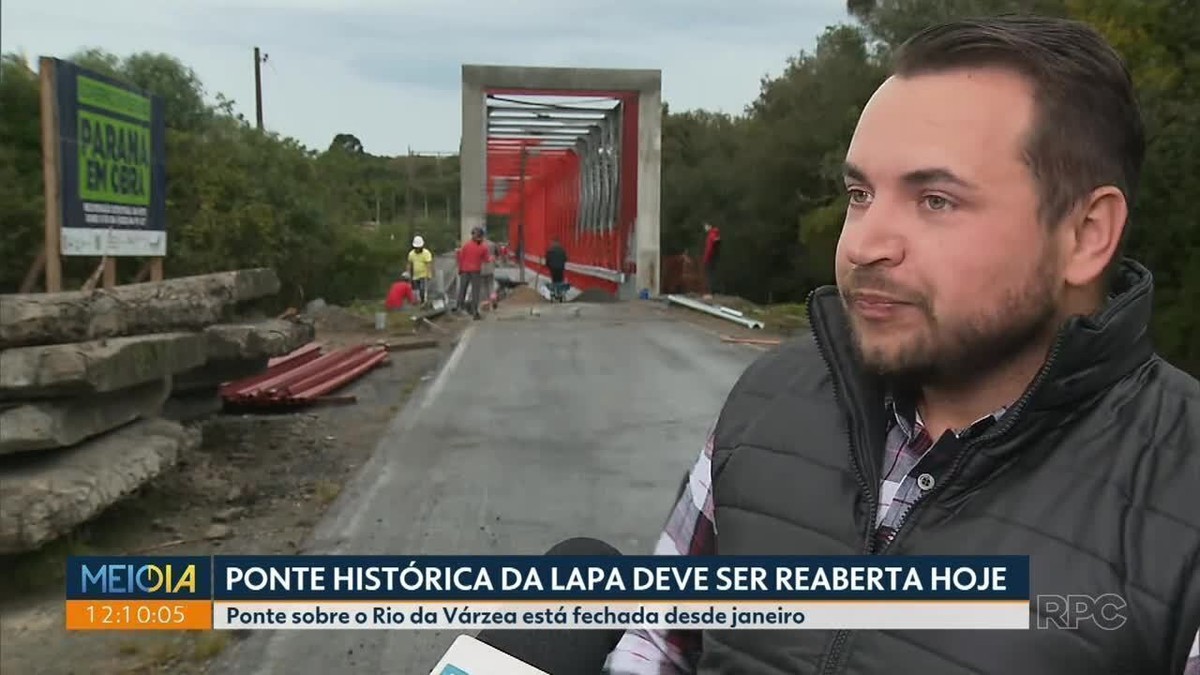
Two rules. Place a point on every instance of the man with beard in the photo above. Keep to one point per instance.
(979, 382)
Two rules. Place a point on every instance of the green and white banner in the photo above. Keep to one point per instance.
(113, 160)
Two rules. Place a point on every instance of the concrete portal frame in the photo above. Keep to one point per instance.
(478, 80)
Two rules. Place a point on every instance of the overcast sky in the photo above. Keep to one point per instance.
(388, 71)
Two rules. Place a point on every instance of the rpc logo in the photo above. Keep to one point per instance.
(125, 579)
(1069, 611)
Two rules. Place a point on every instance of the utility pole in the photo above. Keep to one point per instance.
(259, 59)
(408, 194)
(441, 186)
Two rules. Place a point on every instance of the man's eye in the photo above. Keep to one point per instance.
(858, 196)
(937, 202)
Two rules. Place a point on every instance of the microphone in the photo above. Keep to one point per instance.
(552, 652)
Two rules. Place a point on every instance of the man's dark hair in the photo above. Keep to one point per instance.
(1088, 129)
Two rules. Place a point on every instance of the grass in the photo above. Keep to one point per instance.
(326, 491)
(783, 318)
(367, 308)
(207, 645)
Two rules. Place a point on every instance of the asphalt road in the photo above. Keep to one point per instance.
(535, 430)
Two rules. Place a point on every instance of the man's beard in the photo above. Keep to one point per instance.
(952, 355)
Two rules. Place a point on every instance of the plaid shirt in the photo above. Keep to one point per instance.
(914, 463)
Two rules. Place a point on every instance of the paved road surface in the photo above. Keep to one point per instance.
(536, 430)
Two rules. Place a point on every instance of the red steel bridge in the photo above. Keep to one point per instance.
(569, 154)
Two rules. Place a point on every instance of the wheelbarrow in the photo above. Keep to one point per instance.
(558, 291)
(506, 286)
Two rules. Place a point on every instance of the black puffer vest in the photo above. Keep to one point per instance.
(1095, 474)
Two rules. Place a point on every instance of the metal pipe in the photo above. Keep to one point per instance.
(709, 309)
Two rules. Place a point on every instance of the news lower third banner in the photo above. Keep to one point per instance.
(544, 592)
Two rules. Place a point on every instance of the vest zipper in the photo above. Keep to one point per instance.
(838, 644)
(833, 661)
(1009, 421)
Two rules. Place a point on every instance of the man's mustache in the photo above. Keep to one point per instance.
(872, 280)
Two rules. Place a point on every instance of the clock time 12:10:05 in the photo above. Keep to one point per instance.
(139, 615)
(136, 613)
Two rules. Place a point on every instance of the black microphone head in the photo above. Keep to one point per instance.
(565, 651)
(582, 546)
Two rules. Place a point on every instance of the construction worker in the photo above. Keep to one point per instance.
(420, 267)
(712, 255)
(471, 258)
(556, 262)
(401, 295)
(488, 271)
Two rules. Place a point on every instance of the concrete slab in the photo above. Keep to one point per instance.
(51, 493)
(533, 432)
(561, 79)
(97, 366)
(59, 423)
(215, 373)
(193, 405)
(257, 339)
(155, 307)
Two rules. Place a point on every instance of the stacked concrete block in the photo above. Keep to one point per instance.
(234, 351)
(94, 386)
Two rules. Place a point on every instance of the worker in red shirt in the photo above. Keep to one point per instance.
(471, 259)
(401, 295)
(712, 254)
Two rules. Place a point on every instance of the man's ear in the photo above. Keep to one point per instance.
(1092, 235)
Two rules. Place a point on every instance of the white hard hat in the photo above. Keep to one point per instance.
(418, 242)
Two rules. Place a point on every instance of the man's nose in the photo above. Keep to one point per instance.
(873, 236)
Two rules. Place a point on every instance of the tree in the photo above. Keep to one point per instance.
(348, 143)
(894, 21)
(1160, 44)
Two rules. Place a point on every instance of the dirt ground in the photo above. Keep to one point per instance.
(258, 484)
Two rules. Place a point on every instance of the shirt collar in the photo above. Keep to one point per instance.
(903, 410)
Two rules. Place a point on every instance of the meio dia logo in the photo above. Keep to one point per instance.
(116, 579)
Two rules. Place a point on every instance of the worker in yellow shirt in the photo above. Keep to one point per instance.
(420, 267)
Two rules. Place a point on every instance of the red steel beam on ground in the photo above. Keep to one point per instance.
(355, 356)
(275, 367)
(334, 383)
(325, 364)
(268, 387)
(310, 348)
(296, 381)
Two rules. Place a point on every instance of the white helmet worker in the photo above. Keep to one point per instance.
(418, 242)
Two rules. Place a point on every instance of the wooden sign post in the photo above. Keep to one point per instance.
(104, 165)
(51, 170)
